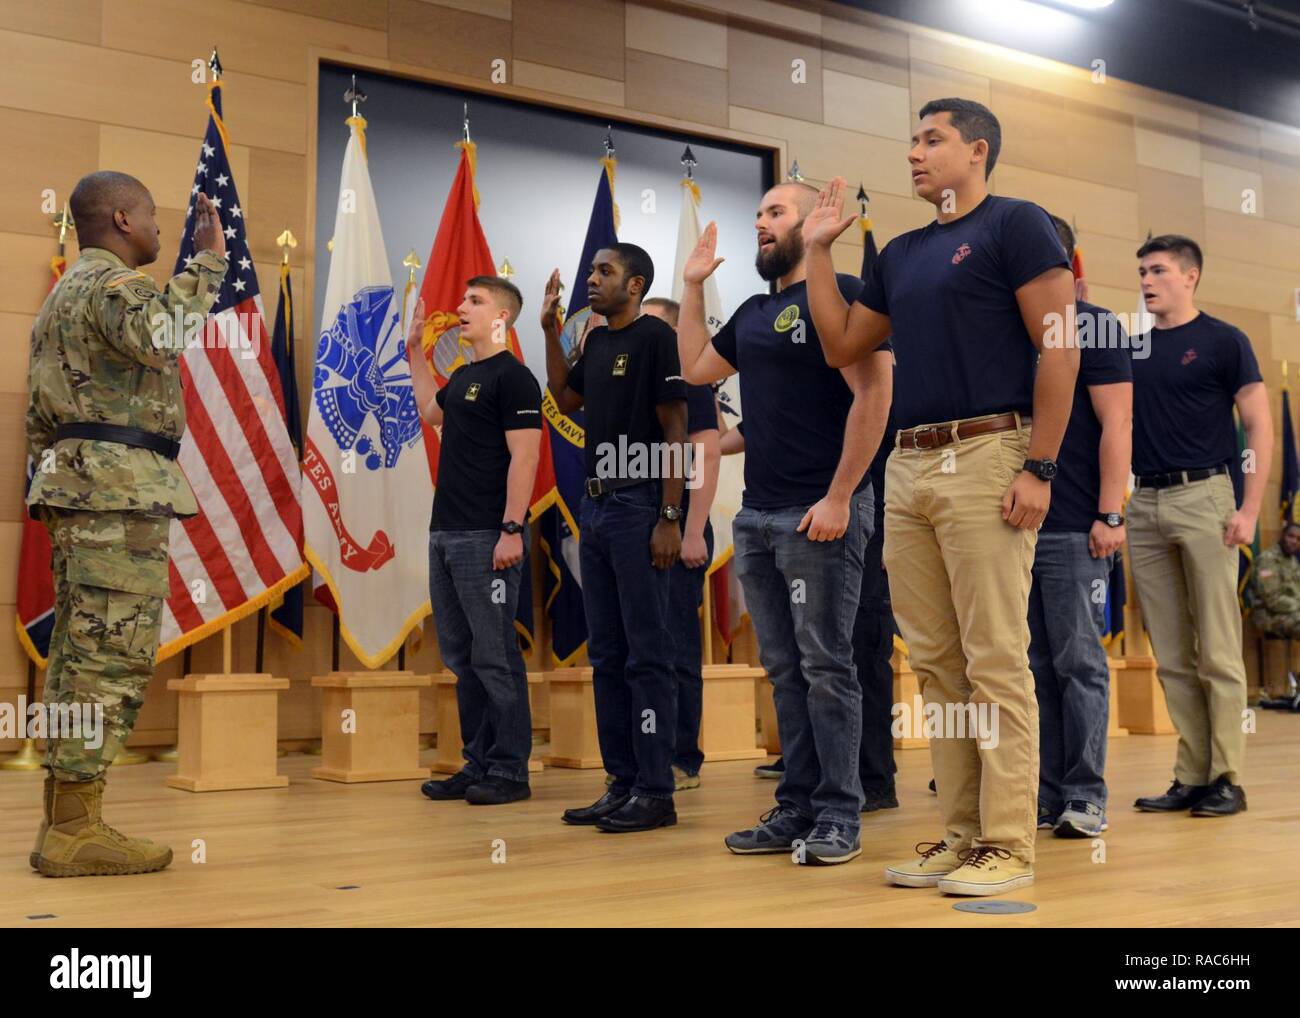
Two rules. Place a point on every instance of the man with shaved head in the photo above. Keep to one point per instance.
(104, 423)
(804, 521)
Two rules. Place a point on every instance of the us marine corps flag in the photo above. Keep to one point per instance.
(365, 473)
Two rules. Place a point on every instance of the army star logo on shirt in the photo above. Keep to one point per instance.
(471, 394)
(620, 364)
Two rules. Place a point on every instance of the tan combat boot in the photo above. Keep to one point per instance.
(45, 820)
(80, 844)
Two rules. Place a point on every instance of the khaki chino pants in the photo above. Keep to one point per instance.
(959, 579)
(1186, 580)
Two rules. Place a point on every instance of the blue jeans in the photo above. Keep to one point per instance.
(474, 613)
(803, 598)
(1071, 675)
(685, 595)
(629, 642)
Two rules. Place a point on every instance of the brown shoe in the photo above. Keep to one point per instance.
(45, 821)
(79, 843)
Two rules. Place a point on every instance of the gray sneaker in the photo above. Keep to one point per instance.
(1081, 819)
(777, 831)
(829, 843)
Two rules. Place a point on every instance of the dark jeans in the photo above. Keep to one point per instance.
(474, 613)
(1071, 676)
(629, 641)
(803, 598)
(873, 646)
(685, 595)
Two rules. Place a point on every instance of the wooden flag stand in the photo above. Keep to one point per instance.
(446, 711)
(228, 727)
(727, 729)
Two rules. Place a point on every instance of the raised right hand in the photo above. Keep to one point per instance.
(824, 223)
(551, 303)
(207, 226)
(703, 260)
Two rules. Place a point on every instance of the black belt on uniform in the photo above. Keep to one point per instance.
(597, 486)
(136, 437)
(1178, 477)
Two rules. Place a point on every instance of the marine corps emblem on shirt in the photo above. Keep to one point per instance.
(620, 365)
(960, 255)
(786, 319)
(471, 394)
(1189, 356)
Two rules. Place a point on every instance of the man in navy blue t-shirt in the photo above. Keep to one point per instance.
(1185, 525)
(1082, 533)
(978, 305)
(804, 521)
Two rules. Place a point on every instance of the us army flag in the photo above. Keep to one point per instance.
(728, 598)
(365, 474)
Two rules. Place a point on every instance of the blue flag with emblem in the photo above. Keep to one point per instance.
(286, 616)
(559, 524)
(1290, 465)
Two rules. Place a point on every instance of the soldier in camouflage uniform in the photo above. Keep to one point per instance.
(1276, 586)
(104, 423)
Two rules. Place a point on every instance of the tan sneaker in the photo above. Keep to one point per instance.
(45, 820)
(79, 843)
(937, 859)
(987, 869)
(682, 781)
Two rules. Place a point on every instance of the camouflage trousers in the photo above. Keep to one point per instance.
(110, 579)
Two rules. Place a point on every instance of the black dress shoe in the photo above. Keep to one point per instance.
(878, 798)
(495, 791)
(588, 815)
(1224, 799)
(1179, 797)
(638, 814)
(453, 787)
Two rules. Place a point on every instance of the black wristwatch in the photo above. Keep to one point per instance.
(671, 513)
(511, 527)
(1112, 520)
(1044, 470)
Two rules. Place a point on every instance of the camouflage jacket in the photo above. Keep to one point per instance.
(94, 358)
(1277, 583)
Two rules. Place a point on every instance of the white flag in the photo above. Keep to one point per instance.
(365, 474)
(731, 472)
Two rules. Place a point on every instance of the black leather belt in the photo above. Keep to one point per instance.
(597, 486)
(1178, 477)
(137, 437)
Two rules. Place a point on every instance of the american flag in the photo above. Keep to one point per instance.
(244, 546)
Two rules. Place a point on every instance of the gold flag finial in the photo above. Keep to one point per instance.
(794, 174)
(507, 270)
(286, 240)
(412, 262)
(329, 245)
(63, 220)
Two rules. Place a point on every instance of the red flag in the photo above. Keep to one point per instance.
(460, 252)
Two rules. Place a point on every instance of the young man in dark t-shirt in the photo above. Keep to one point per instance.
(490, 412)
(972, 303)
(805, 518)
(1082, 533)
(1184, 523)
(629, 380)
(687, 576)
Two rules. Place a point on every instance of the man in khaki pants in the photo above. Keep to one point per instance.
(1184, 524)
(971, 300)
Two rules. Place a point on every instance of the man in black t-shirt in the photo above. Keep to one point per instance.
(687, 576)
(1185, 525)
(629, 380)
(1082, 533)
(979, 308)
(804, 521)
(490, 412)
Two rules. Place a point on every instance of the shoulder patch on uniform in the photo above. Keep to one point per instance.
(134, 277)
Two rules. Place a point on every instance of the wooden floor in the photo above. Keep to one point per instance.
(323, 854)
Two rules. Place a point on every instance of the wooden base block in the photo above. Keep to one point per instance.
(727, 721)
(906, 692)
(573, 720)
(1142, 707)
(447, 718)
(370, 726)
(768, 735)
(227, 732)
(1114, 729)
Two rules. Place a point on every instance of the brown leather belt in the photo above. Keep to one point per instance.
(931, 436)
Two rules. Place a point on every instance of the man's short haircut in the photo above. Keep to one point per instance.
(507, 295)
(671, 308)
(98, 195)
(1185, 250)
(636, 262)
(1066, 232)
(974, 121)
(805, 195)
